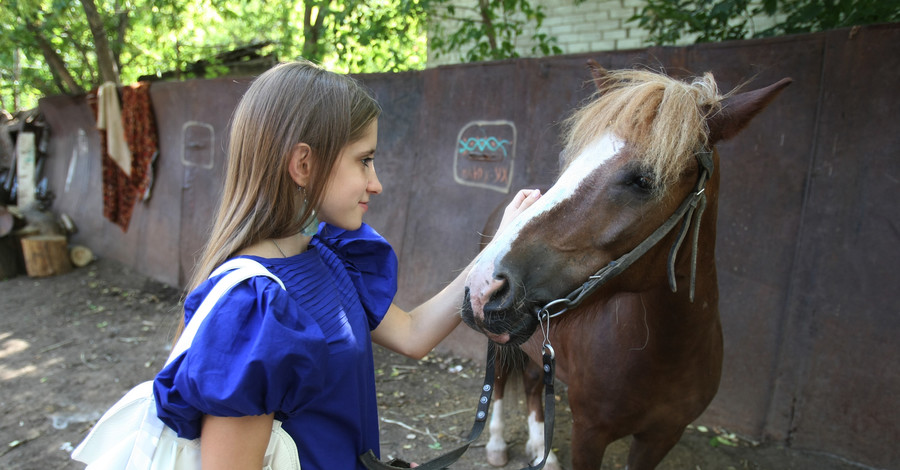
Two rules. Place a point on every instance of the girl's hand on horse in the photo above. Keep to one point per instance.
(523, 200)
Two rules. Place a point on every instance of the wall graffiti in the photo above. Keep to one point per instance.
(484, 155)
(198, 142)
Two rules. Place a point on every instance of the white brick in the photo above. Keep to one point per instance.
(630, 43)
(561, 30)
(638, 33)
(603, 45)
(566, 10)
(555, 20)
(606, 25)
(591, 28)
(571, 38)
(622, 13)
(609, 4)
(577, 48)
(614, 34)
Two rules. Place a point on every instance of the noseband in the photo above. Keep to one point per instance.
(693, 204)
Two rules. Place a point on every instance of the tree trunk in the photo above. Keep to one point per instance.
(485, 10)
(108, 70)
(61, 75)
(312, 30)
(124, 19)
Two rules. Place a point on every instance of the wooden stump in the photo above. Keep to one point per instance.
(81, 256)
(46, 255)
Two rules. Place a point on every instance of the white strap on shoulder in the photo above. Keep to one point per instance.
(241, 270)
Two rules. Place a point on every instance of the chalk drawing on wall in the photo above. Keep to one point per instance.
(198, 141)
(485, 155)
(80, 148)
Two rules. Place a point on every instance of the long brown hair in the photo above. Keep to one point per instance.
(291, 103)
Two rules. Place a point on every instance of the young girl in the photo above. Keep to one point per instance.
(302, 148)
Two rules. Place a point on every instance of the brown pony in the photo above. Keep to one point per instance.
(599, 264)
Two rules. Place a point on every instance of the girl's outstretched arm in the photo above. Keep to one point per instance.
(417, 332)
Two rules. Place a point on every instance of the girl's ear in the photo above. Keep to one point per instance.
(300, 165)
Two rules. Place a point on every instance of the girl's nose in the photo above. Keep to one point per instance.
(374, 186)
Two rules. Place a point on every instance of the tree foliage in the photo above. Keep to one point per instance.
(488, 29)
(718, 20)
(71, 46)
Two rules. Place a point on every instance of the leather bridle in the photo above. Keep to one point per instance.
(693, 205)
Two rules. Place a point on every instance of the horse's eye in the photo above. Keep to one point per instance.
(643, 183)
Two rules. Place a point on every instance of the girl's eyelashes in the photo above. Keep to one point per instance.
(367, 161)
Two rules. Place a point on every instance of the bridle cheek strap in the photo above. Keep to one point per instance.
(693, 204)
(697, 204)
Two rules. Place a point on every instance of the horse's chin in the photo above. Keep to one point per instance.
(509, 328)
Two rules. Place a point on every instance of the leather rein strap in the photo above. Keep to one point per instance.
(481, 414)
(371, 461)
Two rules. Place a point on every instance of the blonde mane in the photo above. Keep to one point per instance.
(662, 119)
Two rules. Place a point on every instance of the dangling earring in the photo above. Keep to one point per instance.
(312, 227)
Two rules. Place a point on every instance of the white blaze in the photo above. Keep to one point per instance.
(594, 156)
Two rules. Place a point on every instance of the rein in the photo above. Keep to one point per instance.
(481, 414)
(371, 461)
(693, 204)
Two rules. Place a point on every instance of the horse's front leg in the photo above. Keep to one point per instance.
(496, 447)
(588, 445)
(589, 437)
(648, 449)
(534, 388)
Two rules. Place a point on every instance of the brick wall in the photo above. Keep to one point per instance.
(589, 26)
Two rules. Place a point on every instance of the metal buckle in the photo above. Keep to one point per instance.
(546, 311)
(547, 349)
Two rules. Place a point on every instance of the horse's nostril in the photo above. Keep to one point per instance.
(501, 295)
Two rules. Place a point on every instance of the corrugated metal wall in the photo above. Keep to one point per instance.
(808, 226)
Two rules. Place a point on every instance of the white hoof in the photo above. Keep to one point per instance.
(497, 457)
(552, 462)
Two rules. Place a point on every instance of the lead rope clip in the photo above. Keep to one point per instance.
(544, 321)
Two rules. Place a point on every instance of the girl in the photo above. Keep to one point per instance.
(302, 147)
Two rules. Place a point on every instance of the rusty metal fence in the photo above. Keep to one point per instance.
(809, 218)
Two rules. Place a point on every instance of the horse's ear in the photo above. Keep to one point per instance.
(598, 72)
(737, 110)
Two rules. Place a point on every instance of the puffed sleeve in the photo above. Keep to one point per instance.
(255, 354)
(371, 263)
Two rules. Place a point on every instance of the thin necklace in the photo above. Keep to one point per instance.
(279, 248)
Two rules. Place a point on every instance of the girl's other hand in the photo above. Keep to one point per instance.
(523, 200)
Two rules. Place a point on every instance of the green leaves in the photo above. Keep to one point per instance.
(47, 48)
(668, 21)
(152, 37)
(487, 31)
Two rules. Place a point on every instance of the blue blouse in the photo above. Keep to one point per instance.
(304, 354)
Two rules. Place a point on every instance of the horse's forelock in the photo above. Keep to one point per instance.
(663, 119)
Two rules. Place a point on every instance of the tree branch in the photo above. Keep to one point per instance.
(108, 70)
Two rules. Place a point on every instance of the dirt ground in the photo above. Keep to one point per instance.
(71, 345)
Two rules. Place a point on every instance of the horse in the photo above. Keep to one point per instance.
(627, 309)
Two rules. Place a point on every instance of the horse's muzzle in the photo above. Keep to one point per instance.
(499, 321)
